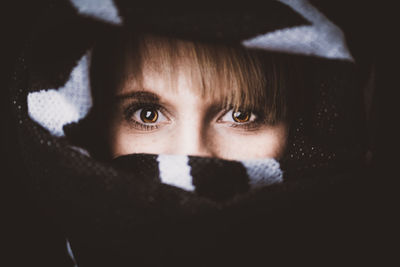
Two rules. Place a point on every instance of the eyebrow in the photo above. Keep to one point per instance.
(140, 95)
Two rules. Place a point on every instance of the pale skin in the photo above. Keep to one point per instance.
(157, 119)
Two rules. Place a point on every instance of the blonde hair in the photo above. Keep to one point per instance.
(232, 75)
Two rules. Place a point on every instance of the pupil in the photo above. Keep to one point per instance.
(240, 116)
(149, 115)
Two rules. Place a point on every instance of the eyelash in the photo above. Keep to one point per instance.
(134, 107)
(248, 126)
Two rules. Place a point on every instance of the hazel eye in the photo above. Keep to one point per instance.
(148, 115)
(238, 116)
(241, 116)
(145, 116)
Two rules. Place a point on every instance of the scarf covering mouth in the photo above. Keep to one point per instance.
(157, 210)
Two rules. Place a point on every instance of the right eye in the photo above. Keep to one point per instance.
(148, 115)
(145, 117)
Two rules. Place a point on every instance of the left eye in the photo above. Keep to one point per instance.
(238, 116)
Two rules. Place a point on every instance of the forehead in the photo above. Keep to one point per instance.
(159, 82)
(165, 65)
(216, 72)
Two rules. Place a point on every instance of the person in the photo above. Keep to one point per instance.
(199, 85)
(163, 95)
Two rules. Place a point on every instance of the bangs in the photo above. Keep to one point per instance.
(233, 76)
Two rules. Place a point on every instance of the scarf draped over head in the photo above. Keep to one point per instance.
(153, 209)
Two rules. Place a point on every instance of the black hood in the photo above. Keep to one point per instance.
(127, 212)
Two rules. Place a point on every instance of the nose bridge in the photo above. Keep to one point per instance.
(191, 126)
(192, 138)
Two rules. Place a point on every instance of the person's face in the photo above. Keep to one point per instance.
(159, 120)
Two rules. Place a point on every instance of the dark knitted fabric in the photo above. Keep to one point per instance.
(120, 213)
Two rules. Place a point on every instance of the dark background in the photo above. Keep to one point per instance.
(370, 28)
